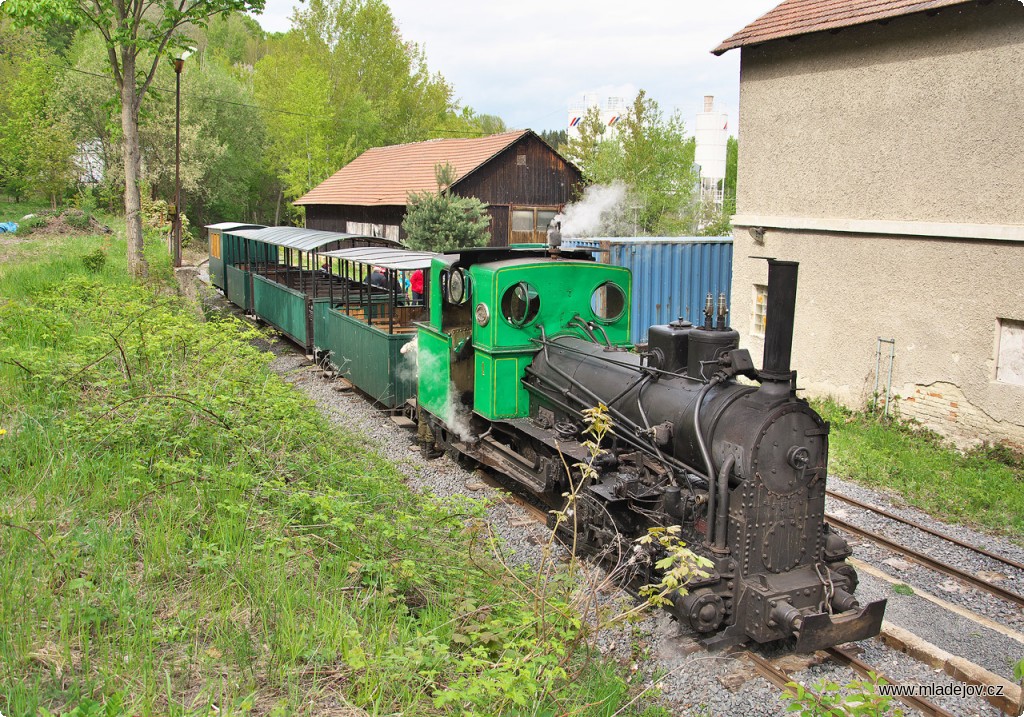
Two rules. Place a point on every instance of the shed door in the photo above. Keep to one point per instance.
(530, 224)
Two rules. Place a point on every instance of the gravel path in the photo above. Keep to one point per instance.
(665, 664)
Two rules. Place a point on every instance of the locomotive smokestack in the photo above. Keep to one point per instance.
(778, 334)
(555, 238)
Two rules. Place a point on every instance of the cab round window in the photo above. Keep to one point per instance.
(608, 302)
(520, 304)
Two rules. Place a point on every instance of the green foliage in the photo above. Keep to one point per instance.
(654, 158)
(858, 698)
(350, 82)
(732, 156)
(902, 589)
(36, 144)
(25, 226)
(179, 519)
(442, 221)
(77, 218)
(677, 566)
(136, 35)
(1018, 671)
(94, 261)
(559, 139)
(902, 456)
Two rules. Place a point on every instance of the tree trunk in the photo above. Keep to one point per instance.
(137, 265)
(277, 212)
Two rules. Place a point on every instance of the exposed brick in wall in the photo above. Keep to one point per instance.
(943, 408)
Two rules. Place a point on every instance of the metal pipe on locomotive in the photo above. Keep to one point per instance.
(739, 465)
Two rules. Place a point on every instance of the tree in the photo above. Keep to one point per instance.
(443, 221)
(349, 81)
(36, 143)
(557, 138)
(732, 155)
(652, 156)
(137, 34)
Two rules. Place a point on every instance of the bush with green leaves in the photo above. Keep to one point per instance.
(77, 218)
(95, 260)
(859, 698)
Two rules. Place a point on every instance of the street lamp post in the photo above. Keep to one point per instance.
(179, 63)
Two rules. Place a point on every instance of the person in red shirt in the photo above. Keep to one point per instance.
(416, 286)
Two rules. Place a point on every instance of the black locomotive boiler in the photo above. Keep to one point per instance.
(701, 439)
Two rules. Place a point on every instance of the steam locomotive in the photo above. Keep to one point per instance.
(520, 342)
(515, 344)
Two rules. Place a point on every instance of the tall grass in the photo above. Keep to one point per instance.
(181, 533)
(983, 487)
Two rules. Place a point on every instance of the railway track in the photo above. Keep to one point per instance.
(780, 678)
(926, 529)
(923, 558)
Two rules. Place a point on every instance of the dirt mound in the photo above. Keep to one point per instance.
(65, 223)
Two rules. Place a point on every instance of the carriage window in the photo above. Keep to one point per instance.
(608, 302)
(520, 304)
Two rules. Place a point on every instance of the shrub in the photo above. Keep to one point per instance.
(30, 223)
(77, 218)
(94, 261)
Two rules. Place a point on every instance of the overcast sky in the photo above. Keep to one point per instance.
(526, 60)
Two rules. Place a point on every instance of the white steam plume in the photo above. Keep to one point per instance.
(601, 208)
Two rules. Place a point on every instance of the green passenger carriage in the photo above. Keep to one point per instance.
(273, 272)
(222, 252)
(362, 328)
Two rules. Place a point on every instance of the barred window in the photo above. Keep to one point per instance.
(758, 311)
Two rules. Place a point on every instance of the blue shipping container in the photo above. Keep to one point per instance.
(671, 276)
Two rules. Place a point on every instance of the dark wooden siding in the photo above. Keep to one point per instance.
(499, 224)
(542, 179)
(335, 217)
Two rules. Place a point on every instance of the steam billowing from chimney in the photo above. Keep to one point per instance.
(597, 213)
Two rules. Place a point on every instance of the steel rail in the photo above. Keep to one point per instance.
(781, 679)
(922, 705)
(927, 561)
(770, 672)
(931, 531)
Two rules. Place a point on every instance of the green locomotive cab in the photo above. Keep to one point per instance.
(490, 311)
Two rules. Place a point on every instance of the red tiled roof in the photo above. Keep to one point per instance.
(386, 175)
(799, 17)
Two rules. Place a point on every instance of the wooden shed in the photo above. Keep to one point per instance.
(520, 177)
